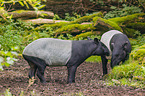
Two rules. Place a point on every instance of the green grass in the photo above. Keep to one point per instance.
(128, 74)
(94, 59)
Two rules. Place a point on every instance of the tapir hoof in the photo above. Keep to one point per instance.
(70, 82)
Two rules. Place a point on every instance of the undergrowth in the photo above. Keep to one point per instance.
(131, 73)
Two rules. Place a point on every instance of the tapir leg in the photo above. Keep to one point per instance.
(104, 64)
(36, 63)
(41, 65)
(40, 74)
(32, 71)
(71, 74)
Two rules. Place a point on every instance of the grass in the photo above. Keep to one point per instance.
(128, 74)
(94, 59)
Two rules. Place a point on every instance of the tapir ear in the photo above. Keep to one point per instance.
(96, 40)
(89, 38)
(112, 45)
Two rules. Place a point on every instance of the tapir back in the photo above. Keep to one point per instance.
(52, 51)
(106, 38)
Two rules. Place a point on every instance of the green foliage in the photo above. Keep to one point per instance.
(109, 23)
(88, 17)
(131, 74)
(36, 4)
(11, 38)
(56, 17)
(139, 54)
(137, 42)
(95, 59)
(8, 93)
(120, 12)
(29, 93)
(128, 18)
(74, 28)
(71, 18)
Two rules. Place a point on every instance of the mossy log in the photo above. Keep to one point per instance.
(25, 14)
(74, 28)
(128, 18)
(53, 26)
(43, 21)
(87, 18)
(129, 32)
(137, 26)
(120, 23)
(86, 34)
(107, 24)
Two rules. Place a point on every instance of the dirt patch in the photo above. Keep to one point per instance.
(88, 82)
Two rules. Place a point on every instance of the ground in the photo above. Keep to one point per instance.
(88, 82)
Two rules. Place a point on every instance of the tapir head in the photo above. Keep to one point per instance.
(101, 49)
(119, 53)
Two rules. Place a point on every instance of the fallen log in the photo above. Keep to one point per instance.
(105, 25)
(137, 26)
(74, 29)
(43, 21)
(25, 14)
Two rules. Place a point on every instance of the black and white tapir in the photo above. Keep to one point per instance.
(119, 48)
(55, 52)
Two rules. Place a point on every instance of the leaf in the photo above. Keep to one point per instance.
(10, 60)
(41, 6)
(26, 4)
(1, 67)
(21, 3)
(113, 7)
(15, 48)
(1, 59)
(14, 53)
(7, 93)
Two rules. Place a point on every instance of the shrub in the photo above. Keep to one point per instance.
(132, 73)
(119, 12)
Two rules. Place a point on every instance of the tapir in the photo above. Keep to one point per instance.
(119, 48)
(56, 52)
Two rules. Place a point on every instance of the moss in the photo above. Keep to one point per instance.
(137, 26)
(84, 35)
(53, 26)
(129, 32)
(21, 11)
(87, 18)
(127, 18)
(123, 71)
(74, 28)
(128, 74)
(139, 54)
(106, 23)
